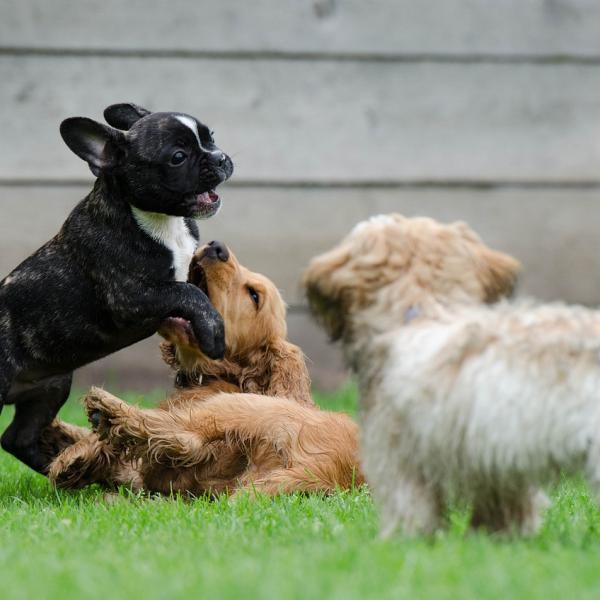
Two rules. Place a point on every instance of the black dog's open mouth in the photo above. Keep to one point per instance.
(178, 331)
(207, 204)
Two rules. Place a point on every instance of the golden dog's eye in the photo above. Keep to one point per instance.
(254, 295)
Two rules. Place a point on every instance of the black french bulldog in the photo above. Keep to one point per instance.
(117, 268)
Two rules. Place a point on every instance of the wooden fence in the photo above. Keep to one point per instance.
(333, 110)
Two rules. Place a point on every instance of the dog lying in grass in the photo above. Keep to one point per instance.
(212, 435)
(461, 398)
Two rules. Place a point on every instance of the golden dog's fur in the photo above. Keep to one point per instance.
(216, 436)
(460, 398)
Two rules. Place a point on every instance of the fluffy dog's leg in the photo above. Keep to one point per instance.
(592, 470)
(521, 512)
(412, 507)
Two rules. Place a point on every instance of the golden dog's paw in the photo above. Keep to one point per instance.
(120, 425)
(79, 465)
(70, 475)
(107, 414)
(60, 435)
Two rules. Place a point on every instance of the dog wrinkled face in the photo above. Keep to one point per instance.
(163, 162)
(174, 166)
(390, 264)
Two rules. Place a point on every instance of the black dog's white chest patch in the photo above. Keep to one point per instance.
(173, 234)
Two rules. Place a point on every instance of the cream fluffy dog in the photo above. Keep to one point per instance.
(461, 398)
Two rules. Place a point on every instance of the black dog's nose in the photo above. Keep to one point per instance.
(217, 250)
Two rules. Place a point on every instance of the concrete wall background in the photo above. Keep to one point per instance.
(334, 110)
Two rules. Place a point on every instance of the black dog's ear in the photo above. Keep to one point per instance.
(123, 116)
(100, 146)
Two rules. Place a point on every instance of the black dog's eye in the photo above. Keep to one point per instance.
(254, 295)
(178, 158)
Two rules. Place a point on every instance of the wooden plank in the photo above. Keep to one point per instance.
(300, 120)
(276, 231)
(385, 27)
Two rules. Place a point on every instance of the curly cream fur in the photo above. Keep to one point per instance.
(460, 398)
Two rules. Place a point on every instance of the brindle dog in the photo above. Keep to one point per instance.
(117, 268)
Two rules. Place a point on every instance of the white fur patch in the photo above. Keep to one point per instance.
(193, 126)
(190, 124)
(8, 280)
(173, 234)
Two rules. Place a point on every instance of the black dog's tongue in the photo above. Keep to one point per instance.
(178, 331)
(208, 198)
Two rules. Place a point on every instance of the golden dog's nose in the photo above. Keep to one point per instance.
(217, 250)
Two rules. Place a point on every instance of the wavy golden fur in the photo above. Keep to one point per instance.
(248, 421)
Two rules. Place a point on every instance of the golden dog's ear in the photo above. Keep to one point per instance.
(278, 369)
(498, 273)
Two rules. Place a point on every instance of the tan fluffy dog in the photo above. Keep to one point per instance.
(211, 437)
(461, 398)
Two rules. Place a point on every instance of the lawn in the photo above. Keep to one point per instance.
(74, 545)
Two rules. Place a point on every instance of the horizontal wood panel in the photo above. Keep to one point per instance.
(463, 27)
(297, 121)
(276, 231)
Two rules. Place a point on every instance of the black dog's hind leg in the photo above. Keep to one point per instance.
(7, 373)
(5, 382)
(35, 408)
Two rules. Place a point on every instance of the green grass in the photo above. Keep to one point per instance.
(74, 545)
